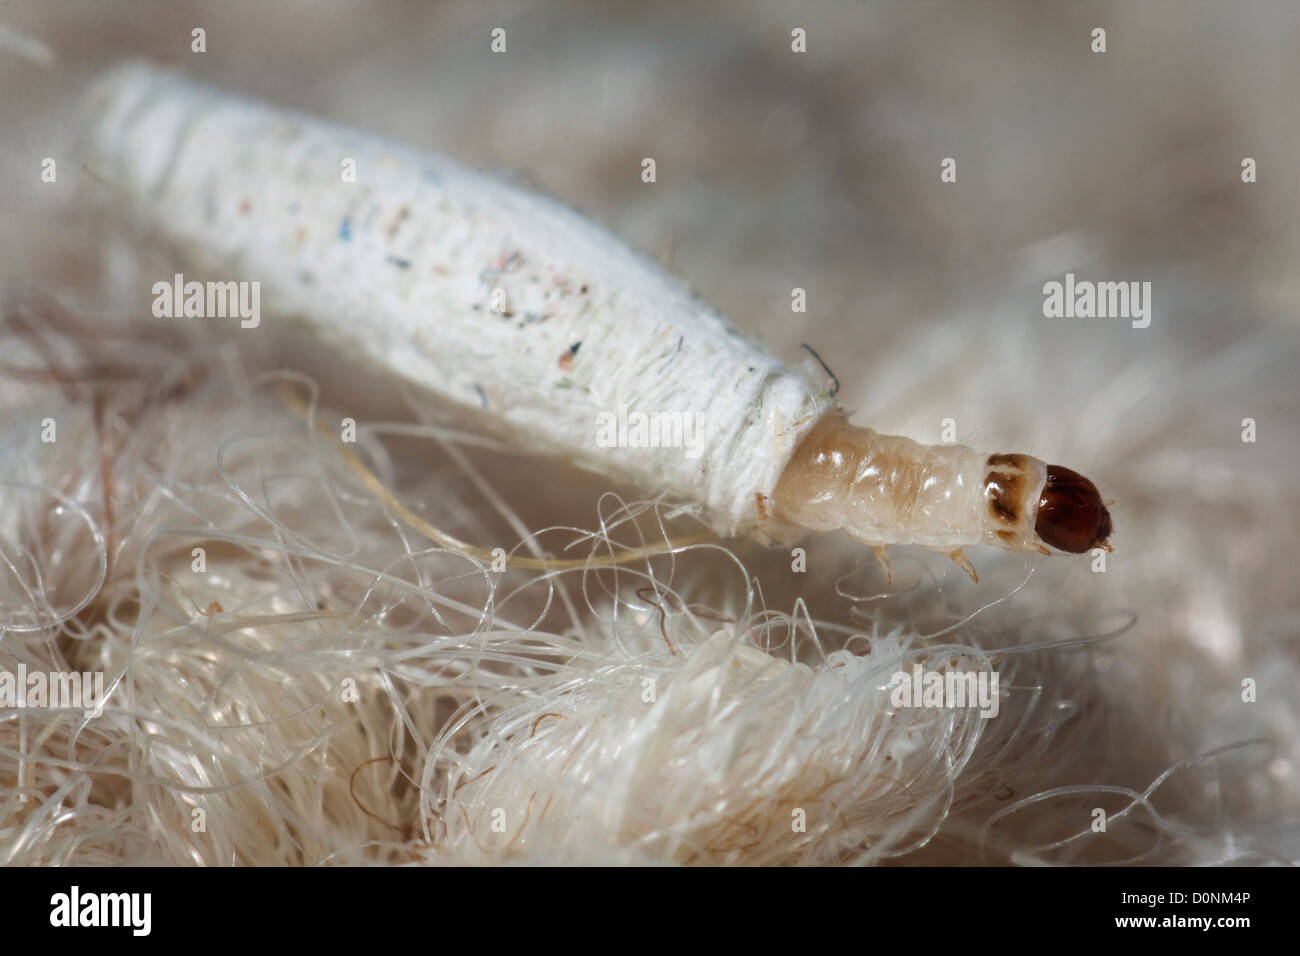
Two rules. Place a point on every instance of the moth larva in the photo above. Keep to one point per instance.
(522, 312)
(884, 489)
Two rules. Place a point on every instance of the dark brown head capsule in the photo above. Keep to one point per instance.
(1071, 515)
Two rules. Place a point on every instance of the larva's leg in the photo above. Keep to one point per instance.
(959, 558)
(884, 489)
(882, 558)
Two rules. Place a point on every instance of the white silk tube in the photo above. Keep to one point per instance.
(504, 302)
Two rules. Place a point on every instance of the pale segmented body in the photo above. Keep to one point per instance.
(884, 489)
(407, 267)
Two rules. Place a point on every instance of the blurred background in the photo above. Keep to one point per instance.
(821, 170)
